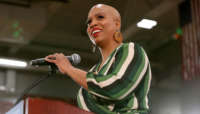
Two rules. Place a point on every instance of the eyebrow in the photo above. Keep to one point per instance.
(97, 14)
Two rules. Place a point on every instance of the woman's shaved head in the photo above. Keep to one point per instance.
(109, 9)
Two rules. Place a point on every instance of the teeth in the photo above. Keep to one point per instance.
(96, 31)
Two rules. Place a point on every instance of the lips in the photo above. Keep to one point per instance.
(95, 32)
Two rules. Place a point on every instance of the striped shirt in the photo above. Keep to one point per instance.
(121, 85)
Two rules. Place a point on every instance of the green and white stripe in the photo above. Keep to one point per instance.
(138, 80)
(121, 71)
(81, 101)
(148, 88)
(115, 86)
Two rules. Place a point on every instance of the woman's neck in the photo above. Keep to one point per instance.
(108, 49)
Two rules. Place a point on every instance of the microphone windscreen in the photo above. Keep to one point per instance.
(76, 58)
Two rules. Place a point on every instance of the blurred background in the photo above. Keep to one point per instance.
(32, 29)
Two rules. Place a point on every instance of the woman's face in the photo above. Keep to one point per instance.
(101, 24)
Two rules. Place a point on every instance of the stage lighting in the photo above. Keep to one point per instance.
(12, 63)
(146, 24)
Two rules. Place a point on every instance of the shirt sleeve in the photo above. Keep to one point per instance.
(126, 72)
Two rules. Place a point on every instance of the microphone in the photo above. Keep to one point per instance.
(74, 59)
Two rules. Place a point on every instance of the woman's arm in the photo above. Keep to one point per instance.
(65, 67)
(78, 75)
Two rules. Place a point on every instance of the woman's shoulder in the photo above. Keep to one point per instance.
(130, 45)
(127, 47)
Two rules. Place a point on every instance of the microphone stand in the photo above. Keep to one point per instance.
(52, 71)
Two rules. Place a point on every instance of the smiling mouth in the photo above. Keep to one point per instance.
(95, 33)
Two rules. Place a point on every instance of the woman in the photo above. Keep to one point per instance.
(120, 82)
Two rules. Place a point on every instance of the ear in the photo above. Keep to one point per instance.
(118, 24)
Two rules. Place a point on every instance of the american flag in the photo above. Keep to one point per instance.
(191, 44)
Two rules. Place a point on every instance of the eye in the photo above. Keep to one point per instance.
(88, 22)
(100, 17)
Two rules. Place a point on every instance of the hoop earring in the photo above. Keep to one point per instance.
(118, 36)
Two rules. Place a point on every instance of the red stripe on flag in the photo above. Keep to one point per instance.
(190, 52)
(194, 41)
(184, 48)
(198, 33)
(197, 24)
